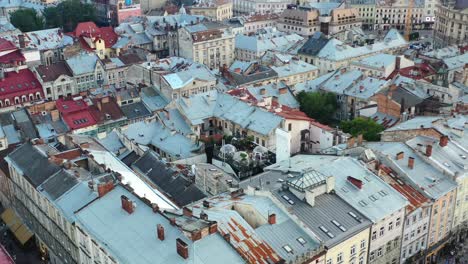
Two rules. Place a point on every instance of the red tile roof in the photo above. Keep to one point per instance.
(108, 106)
(75, 113)
(85, 27)
(6, 45)
(16, 84)
(12, 57)
(109, 36)
(89, 29)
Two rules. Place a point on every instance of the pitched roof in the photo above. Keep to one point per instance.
(105, 220)
(33, 164)
(50, 73)
(19, 83)
(82, 63)
(168, 180)
(6, 45)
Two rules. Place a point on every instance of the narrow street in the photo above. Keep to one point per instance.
(22, 255)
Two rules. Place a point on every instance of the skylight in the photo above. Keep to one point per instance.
(301, 240)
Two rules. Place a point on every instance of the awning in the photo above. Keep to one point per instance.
(16, 226)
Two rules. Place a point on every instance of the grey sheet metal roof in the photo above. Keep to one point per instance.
(34, 165)
(321, 214)
(131, 238)
(422, 176)
(58, 184)
(314, 44)
(170, 181)
(135, 110)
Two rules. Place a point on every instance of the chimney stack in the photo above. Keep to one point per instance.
(400, 155)
(104, 188)
(443, 141)
(182, 248)
(272, 219)
(127, 204)
(227, 237)
(359, 139)
(351, 142)
(397, 63)
(22, 42)
(206, 204)
(187, 212)
(172, 221)
(411, 162)
(429, 150)
(203, 216)
(213, 228)
(155, 207)
(160, 232)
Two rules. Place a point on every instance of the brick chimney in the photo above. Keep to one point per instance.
(160, 229)
(182, 248)
(429, 150)
(227, 237)
(400, 155)
(359, 139)
(443, 141)
(155, 207)
(411, 162)
(213, 228)
(355, 182)
(272, 219)
(187, 212)
(127, 204)
(351, 142)
(397, 63)
(172, 221)
(104, 188)
(22, 42)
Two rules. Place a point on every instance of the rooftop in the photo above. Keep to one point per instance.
(158, 135)
(82, 63)
(170, 181)
(253, 237)
(19, 83)
(335, 50)
(205, 105)
(32, 163)
(423, 176)
(131, 237)
(53, 71)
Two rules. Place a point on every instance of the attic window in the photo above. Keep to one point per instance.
(288, 249)
(363, 203)
(301, 240)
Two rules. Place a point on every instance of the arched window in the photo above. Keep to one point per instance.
(31, 97)
(1, 103)
(17, 100)
(7, 102)
(38, 96)
(24, 98)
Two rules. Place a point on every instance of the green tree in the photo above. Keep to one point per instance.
(318, 105)
(369, 129)
(68, 14)
(27, 20)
